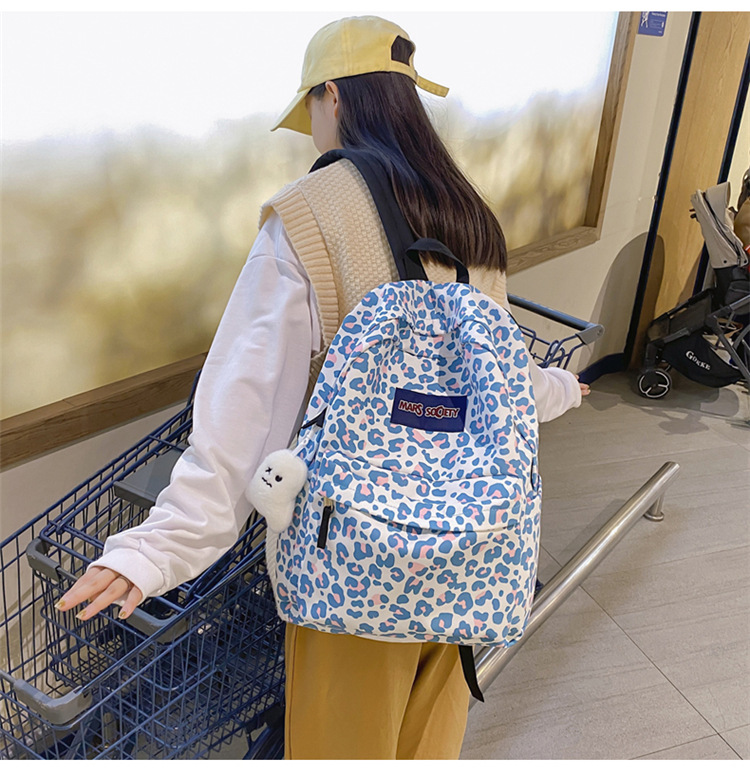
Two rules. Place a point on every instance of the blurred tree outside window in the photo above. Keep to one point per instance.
(136, 156)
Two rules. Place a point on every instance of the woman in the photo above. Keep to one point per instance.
(320, 249)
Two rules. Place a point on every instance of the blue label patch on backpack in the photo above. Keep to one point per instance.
(431, 412)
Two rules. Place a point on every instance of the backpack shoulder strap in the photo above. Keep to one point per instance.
(397, 230)
(466, 653)
(405, 248)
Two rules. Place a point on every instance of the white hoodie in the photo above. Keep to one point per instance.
(246, 405)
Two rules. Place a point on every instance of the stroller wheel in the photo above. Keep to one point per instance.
(654, 383)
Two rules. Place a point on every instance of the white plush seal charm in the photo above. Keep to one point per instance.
(275, 485)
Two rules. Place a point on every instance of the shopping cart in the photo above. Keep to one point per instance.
(186, 672)
(554, 351)
(181, 677)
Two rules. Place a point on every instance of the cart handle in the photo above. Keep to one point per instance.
(37, 555)
(587, 332)
(56, 711)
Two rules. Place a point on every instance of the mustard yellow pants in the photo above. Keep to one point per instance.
(350, 698)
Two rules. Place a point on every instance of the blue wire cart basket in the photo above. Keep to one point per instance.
(553, 351)
(182, 676)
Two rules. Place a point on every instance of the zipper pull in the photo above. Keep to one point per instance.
(328, 507)
(318, 420)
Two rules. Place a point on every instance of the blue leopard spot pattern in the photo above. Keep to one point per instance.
(433, 535)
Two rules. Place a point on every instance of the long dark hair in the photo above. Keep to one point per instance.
(383, 113)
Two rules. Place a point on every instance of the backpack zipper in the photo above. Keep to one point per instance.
(328, 507)
(318, 420)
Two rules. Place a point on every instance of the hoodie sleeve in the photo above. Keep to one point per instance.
(555, 390)
(246, 404)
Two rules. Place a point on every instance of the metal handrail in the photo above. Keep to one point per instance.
(647, 501)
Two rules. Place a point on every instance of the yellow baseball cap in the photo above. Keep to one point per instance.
(351, 46)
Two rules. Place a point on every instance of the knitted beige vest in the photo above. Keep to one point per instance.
(334, 227)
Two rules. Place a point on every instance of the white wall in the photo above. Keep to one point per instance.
(598, 282)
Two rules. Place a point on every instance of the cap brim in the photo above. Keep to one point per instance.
(295, 116)
(432, 87)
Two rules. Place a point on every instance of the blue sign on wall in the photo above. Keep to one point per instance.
(652, 23)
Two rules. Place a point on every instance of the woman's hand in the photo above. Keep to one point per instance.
(102, 587)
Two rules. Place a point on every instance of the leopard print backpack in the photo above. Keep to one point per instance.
(410, 506)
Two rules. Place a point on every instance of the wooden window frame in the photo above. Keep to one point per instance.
(587, 234)
(39, 431)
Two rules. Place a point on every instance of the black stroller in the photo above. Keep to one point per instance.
(707, 338)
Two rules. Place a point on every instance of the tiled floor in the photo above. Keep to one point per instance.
(650, 658)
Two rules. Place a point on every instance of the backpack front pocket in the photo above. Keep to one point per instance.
(474, 504)
(453, 562)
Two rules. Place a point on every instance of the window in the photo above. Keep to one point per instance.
(137, 154)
